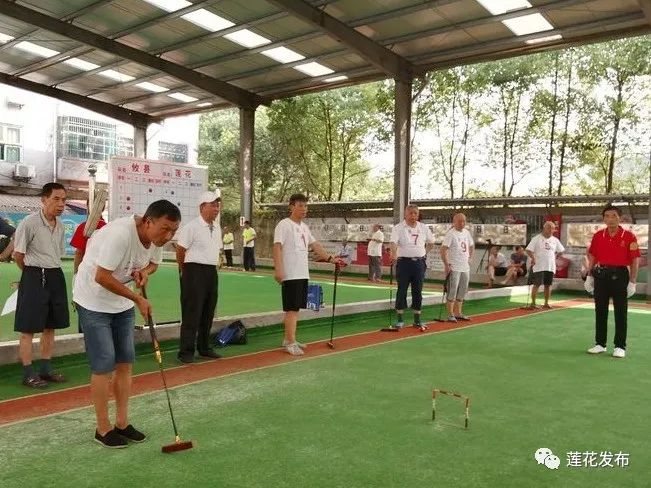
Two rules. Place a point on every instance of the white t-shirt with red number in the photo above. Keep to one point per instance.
(411, 241)
(295, 239)
(459, 244)
(544, 251)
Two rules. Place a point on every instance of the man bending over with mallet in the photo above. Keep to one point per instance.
(127, 249)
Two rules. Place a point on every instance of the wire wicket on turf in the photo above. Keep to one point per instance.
(465, 398)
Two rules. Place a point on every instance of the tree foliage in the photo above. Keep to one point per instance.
(552, 123)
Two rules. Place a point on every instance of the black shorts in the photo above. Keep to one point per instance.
(42, 301)
(499, 271)
(294, 295)
(543, 278)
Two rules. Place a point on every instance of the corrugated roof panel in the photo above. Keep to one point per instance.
(283, 28)
(13, 28)
(38, 78)
(13, 58)
(487, 32)
(290, 75)
(417, 21)
(245, 9)
(347, 61)
(205, 50)
(608, 6)
(316, 46)
(145, 41)
(283, 75)
(350, 10)
(59, 71)
(439, 42)
(246, 63)
(462, 11)
(83, 86)
(166, 33)
(154, 104)
(101, 58)
(54, 8)
(23, 57)
(119, 15)
(104, 97)
(593, 11)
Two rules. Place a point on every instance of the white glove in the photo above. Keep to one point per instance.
(630, 289)
(589, 284)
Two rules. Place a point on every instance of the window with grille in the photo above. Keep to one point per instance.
(174, 153)
(11, 148)
(125, 146)
(81, 138)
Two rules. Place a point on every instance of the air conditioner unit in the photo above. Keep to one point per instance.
(24, 171)
(16, 100)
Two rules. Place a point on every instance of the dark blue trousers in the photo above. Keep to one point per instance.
(410, 271)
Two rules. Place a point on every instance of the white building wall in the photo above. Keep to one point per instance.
(37, 116)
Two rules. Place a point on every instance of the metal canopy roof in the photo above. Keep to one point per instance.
(487, 202)
(143, 60)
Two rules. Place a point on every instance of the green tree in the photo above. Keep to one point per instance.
(511, 80)
(218, 149)
(613, 68)
(452, 113)
(552, 105)
(324, 138)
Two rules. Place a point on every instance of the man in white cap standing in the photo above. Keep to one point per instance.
(197, 255)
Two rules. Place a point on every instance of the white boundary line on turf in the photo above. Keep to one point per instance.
(248, 354)
(74, 343)
(261, 368)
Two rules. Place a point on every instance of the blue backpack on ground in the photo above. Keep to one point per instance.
(314, 297)
(234, 333)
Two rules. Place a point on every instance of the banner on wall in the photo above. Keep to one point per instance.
(580, 235)
(70, 223)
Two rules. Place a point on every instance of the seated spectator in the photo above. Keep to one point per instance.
(518, 266)
(345, 252)
(496, 264)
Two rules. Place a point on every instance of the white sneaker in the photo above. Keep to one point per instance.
(619, 352)
(294, 350)
(597, 349)
(299, 344)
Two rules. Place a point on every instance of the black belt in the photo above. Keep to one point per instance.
(413, 259)
(612, 268)
(43, 271)
(201, 264)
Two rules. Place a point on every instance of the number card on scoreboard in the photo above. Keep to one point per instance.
(135, 183)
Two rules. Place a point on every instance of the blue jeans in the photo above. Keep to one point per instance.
(108, 338)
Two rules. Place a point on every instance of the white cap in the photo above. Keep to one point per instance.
(209, 196)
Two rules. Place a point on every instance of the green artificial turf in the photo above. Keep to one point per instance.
(361, 418)
(75, 367)
(239, 293)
